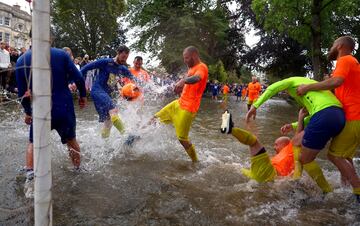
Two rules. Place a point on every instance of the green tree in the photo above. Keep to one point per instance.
(217, 72)
(167, 27)
(310, 22)
(87, 25)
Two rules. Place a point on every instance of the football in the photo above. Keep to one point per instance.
(130, 92)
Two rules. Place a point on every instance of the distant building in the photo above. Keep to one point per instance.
(15, 25)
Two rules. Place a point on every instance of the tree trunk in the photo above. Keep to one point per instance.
(316, 38)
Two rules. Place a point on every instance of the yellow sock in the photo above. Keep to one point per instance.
(356, 191)
(116, 121)
(247, 173)
(315, 172)
(245, 137)
(105, 132)
(298, 167)
(192, 153)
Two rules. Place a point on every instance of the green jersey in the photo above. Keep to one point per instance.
(313, 101)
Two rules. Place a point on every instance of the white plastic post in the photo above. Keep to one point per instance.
(41, 90)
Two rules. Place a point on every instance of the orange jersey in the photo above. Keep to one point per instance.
(226, 89)
(254, 90)
(191, 95)
(244, 91)
(348, 93)
(140, 74)
(283, 162)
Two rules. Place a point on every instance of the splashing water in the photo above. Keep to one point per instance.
(154, 182)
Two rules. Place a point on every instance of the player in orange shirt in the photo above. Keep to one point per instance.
(244, 92)
(138, 71)
(254, 89)
(226, 91)
(346, 82)
(181, 112)
(263, 168)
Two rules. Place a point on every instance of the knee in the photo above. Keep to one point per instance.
(304, 159)
(185, 143)
(30, 148)
(73, 144)
(113, 111)
(331, 157)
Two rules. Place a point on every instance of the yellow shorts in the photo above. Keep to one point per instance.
(250, 102)
(344, 145)
(180, 118)
(225, 96)
(261, 168)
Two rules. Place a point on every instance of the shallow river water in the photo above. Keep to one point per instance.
(155, 183)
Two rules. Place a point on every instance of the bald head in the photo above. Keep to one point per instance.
(347, 42)
(342, 46)
(280, 143)
(191, 50)
(191, 56)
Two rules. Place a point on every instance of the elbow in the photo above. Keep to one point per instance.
(336, 82)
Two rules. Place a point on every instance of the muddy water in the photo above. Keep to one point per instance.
(154, 183)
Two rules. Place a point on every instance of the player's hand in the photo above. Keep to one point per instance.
(301, 90)
(72, 87)
(28, 119)
(82, 102)
(303, 113)
(285, 129)
(250, 113)
(27, 94)
(179, 86)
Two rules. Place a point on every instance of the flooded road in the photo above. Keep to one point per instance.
(155, 183)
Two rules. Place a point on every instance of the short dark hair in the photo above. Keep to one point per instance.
(123, 49)
(138, 58)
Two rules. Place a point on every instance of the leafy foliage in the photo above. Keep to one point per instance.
(170, 26)
(312, 23)
(90, 26)
(218, 72)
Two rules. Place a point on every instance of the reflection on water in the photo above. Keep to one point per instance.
(155, 183)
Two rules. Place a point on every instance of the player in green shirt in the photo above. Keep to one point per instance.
(326, 119)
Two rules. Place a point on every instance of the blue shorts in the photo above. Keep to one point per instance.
(65, 127)
(323, 126)
(103, 103)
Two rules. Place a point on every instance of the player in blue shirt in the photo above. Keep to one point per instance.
(100, 91)
(63, 118)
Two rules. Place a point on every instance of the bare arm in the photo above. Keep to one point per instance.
(296, 140)
(302, 114)
(328, 84)
(192, 79)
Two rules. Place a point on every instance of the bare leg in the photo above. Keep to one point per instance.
(74, 152)
(30, 156)
(307, 158)
(346, 169)
(190, 150)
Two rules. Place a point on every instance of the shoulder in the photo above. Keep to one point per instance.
(349, 59)
(203, 66)
(25, 58)
(103, 62)
(59, 52)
